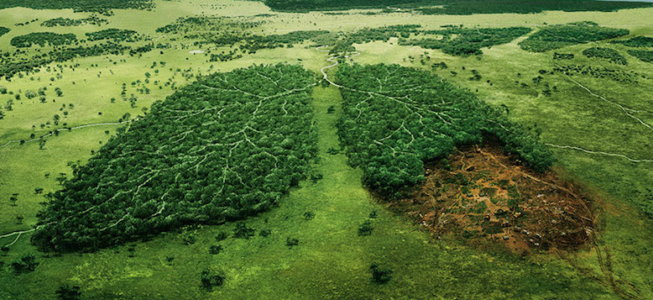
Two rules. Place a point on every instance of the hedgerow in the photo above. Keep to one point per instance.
(4, 30)
(396, 118)
(223, 148)
(558, 36)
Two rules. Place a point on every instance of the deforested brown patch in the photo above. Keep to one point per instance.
(483, 195)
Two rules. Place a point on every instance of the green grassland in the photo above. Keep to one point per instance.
(591, 136)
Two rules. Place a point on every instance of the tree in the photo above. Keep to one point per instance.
(67, 292)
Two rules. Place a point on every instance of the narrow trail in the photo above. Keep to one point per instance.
(64, 129)
(601, 153)
(626, 110)
(334, 61)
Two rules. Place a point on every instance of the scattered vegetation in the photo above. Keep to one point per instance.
(209, 153)
(397, 118)
(559, 36)
(599, 72)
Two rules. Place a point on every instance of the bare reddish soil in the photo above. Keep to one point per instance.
(486, 196)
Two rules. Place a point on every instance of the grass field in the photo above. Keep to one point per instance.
(597, 127)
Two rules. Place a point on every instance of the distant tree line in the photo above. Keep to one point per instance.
(467, 41)
(558, 36)
(457, 7)
(64, 22)
(468, 7)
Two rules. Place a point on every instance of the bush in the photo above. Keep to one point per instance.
(26, 264)
(210, 279)
(380, 275)
(67, 292)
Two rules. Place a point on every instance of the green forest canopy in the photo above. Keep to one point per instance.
(397, 118)
(223, 148)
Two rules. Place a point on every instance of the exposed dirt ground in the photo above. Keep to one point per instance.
(485, 195)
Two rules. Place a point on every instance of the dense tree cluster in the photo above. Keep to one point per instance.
(257, 42)
(78, 5)
(117, 35)
(467, 41)
(557, 55)
(640, 42)
(92, 20)
(607, 53)
(42, 39)
(643, 55)
(468, 7)
(4, 30)
(396, 119)
(558, 36)
(223, 148)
